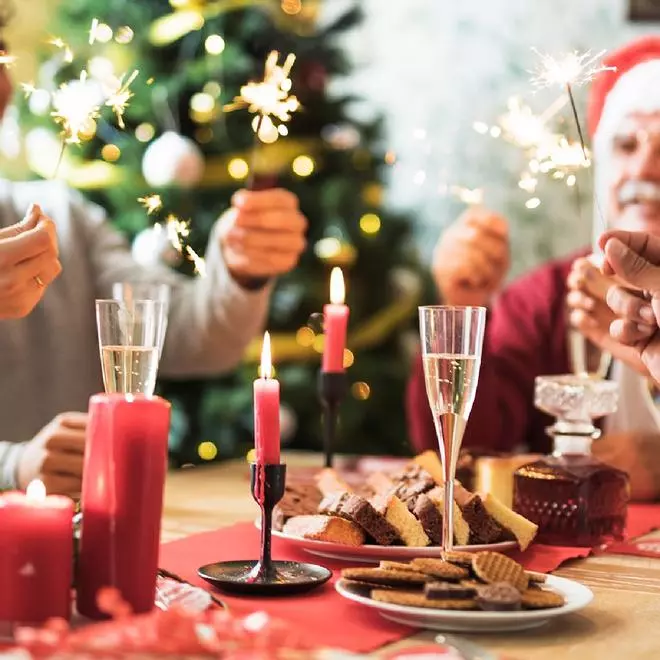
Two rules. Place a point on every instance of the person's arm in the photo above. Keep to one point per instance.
(10, 454)
(211, 320)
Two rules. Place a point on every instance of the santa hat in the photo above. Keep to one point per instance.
(633, 85)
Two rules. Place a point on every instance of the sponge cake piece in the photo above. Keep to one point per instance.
(406, 524)
(430, 461)
(524, 530)
(325, 528)
(461, 528)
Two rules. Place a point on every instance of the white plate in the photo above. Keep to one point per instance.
(576, 595)
(372, 554)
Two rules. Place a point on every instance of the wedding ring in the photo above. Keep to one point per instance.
(39, 282)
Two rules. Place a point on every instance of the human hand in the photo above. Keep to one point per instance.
(55, 455)
(472, 258)
(28, 263)
(262, 235)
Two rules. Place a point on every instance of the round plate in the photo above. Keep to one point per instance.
(292, 577)
(372, 554)
(576, 595)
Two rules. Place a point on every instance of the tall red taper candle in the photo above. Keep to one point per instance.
(267, 410)
(36, 555)
(335, 322)
(122, 499)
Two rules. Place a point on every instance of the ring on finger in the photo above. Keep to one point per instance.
(39, 282)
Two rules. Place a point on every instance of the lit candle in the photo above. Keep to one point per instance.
(335, 321)
(267, 410)
(122, 499)
(36, 555)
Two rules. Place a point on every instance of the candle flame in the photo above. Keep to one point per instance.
(36, 491)
(266, 370)
(337, 288)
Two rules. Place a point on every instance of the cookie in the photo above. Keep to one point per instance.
(388, 578)
(459, 558)
(358, 510)
(325, 528)
(416, 599)
(363, 588)
(535, 578)
(448, 590)
(492, 567)
(498, 597)
(396, 566)
(541, 599)
(428, 515)
(439, 569)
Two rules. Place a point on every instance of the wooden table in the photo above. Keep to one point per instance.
(622, 622)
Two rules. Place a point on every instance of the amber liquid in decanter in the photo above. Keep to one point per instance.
(575, 499)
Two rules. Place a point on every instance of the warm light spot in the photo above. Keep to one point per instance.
(238, 168)
(291, 7)
(207, 451)
(251, 456)
(319, 343)
(266, 369)
(178, 4)
(214, 44)
(533, 203)
(480, 127)
(101, 68)
(202, 102)
(327, 248)
(305, 336)
(144, 132)
(370, 223)
(87, 130)
(495, 131)
(103, 33)
(36, 491)
(349, 358)
(303, 165)
(213, 88)
(337, 288)
(372, 194)
(390, 158)
(124, 35)
(360, 391)
(111, 153)
(570, 180)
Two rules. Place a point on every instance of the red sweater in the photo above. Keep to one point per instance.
(526, 336)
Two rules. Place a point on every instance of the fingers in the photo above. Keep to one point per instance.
(642, 243)
(586, 277)
(258, 264)
(73, 420)
(28, 222)
(579, 300)
(630, 306)
(630, 333)
(67, 440)
(630, 266)
(57, 484)
(487, 222)
(63, 463)
(271, 220)
(261, 200)
(244, 239)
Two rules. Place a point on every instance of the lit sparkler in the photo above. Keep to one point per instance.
(151, 203)
(573, 69)
(177, 231)
(119, 97)
(6, 58)
(59, 43)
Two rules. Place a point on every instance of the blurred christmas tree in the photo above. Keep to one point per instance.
(193, 56)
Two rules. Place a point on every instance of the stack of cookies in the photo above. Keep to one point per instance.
(403, 508)
(486, 581)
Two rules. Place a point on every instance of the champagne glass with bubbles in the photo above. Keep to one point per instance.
(129, 335)
(452, 338)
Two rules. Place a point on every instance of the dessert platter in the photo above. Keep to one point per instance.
(393, 515)
(476, 592)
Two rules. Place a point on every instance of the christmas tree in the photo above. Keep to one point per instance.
(179, 142)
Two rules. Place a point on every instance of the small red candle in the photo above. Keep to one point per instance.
(267, 410)
(335, 321)
(122, 499)
(36, 555)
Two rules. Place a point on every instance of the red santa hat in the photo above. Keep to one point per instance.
(633, 85)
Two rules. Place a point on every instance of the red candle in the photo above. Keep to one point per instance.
(267, 410)
(335, 321)
(122, 499)
(36, 555)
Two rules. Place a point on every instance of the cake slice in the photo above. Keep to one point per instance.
(332, 504)
(430, 518)
(373, 523)
(484, 528)
(325, 528)
(328, 482)
(461, 528)
(298, 499)
(524, 530)
(430, 462)
(407, 526)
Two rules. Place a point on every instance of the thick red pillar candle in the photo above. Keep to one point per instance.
(335, 322)
(267, 411)
(36, 555)
(122, 499)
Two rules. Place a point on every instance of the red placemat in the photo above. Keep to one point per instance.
(321, 617)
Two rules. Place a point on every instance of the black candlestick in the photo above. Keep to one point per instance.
(265, 576)
(332, 389)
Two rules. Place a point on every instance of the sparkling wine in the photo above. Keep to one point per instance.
(130, 369)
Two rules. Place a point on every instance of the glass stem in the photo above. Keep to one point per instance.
(448, 516)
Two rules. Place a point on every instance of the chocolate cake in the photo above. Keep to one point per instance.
(358, 510)
(427, 513)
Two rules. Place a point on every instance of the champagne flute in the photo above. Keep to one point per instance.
(452, 338)
(129, 334)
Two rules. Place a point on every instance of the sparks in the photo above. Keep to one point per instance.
(471, 196)
(6, 58)
(572, 69)
(92, 30)
(269, 98)
(75, 105)
(199, 262)
(177, 230)
(151, 203)
(59, 43)
(120, 94)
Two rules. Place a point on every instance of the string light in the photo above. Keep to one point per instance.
(111, 153)
(207, 451)
(533, 203)
(303, 166)
(291, 7)
(214, 44)
(370, 223)
(390, 158)
(124, 35)
(349, 358)
(318, 343)
(145, 132)
(238, 168)
(305, 336)
(360, 391)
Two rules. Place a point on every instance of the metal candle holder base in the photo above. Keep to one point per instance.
(265, 577)
(332, 389)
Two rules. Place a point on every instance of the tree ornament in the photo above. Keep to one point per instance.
(152, 247)
(173, 160)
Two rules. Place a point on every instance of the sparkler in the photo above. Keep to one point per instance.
(151, 203)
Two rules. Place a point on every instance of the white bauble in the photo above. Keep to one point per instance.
(152, 247)
(288, 424)
(173, 159)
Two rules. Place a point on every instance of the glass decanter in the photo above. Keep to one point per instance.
(575, 499)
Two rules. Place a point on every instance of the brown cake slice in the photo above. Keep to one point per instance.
(430, 518)
(524, 530)
(461, 528)
(299, 499)
(483, 527)
(406, 524)
(361, 512)
(325, 528)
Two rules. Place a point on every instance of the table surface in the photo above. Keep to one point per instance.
(623, 620)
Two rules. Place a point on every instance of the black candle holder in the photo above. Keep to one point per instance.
(264, 576)
(332, 389)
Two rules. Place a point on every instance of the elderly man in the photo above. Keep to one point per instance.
(529, 321)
